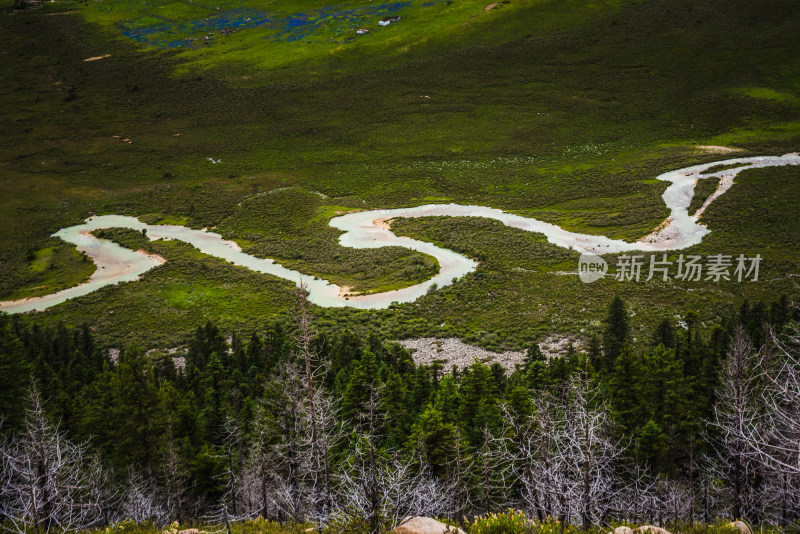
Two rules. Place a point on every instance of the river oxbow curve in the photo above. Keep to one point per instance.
(367, 229)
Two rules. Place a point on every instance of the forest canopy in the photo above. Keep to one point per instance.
(342, 428)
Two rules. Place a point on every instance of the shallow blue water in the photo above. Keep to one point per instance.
(295, 27)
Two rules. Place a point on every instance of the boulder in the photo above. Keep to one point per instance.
(741, 526)
(622, 530)
(424, 525)
(650, 529)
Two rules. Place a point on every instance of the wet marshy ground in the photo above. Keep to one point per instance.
(317, 24)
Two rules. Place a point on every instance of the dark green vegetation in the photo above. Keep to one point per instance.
(307, 243)
(181, 292)
(702, 190)
(557, 110)
(39, 272)
(199, 424)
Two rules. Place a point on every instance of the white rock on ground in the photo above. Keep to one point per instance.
(426, 350)
(555, 345)
(650, 529)
(425, 525)
(741, 526)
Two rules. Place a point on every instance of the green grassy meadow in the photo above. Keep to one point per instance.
(561, 110)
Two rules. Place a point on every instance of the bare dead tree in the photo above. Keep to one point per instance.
(220, 517)
(231, 447)
(528, 452)
(491, 475)
(256, 497)
(781, 445)
(175, 480)
(321, 429)
(227, 509)
(360, 497)
(636, 500)
(738, 421)
(459, 466)
(564, 460)
(781, 498)
(317, 447)
(674, 502)
(48, 482)
(285, 404)
(580, 467)
(287, 472)
(712, 493)
(142, 499)
(376, 489)
(774, 440)
(304, 341)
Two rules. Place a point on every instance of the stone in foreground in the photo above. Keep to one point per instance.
(425, 525)
(741, 526)
(650, 529)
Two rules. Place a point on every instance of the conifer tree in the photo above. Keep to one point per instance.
(595, 352)
(534, 366)
(394, 403)
(360, 387)
(627, 390)
(779, 312)
(667, 392)
(499, 376)
(653, 446)
(433, 440)
(664, 334)
(14, 377)
(616, 331)
(135, 421)
(532, 356)
(206, 341)
(238, 354)
(255, 353)
(346, 349)
(479, 410)
(214, 389)
(421, 393)
(448, 399)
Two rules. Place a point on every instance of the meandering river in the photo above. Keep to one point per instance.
(368, 229)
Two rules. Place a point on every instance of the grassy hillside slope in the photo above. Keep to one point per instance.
(564, 111)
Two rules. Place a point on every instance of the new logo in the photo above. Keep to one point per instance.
(591, 267)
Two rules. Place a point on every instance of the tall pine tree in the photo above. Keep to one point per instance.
(616, 331)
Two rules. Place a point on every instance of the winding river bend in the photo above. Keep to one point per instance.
(368, 229)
